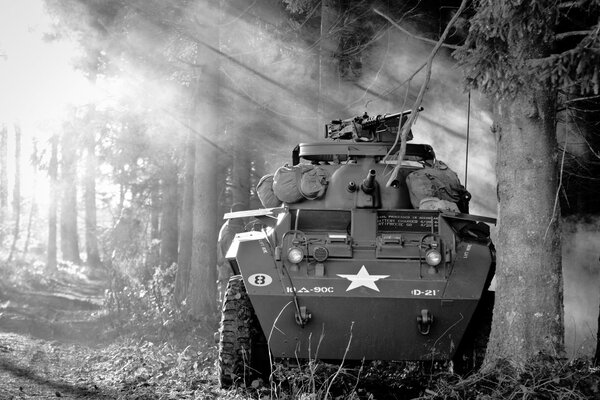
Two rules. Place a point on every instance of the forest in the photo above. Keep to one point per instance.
(130, 128)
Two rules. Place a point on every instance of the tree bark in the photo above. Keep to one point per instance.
(68, 211)
(169, 215)
(528, 316)
(52, 205)
(91, 236)
(186, 230)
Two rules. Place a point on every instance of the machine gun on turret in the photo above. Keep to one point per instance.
(380, 128)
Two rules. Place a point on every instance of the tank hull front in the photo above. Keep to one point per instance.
(362, 307)
(363, 328)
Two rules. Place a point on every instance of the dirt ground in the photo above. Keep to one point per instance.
(49, 333)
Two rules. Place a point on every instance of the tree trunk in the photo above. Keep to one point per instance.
(155, 206)
(33, 210)
(528, 316)
(186, 230)
(241, 171)
(203, 273)
(597, 355)
(169, 221)
(153, 257)
(91, 220)
(53, 197)
(68, 211)
(3, 167)
(16, 203)
(203, 276)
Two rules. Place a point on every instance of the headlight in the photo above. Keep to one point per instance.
(433, 257)
(295, 255)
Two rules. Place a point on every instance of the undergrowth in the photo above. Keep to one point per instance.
(543, 378)
(149, 307)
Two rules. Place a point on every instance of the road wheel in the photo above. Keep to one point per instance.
(243, 353)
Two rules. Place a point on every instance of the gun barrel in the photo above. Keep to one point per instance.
(373, 121)
(368, 184)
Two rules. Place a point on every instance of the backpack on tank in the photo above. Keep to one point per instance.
(292, 184)
(436, 181)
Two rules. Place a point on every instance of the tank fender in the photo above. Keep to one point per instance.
(251, 254)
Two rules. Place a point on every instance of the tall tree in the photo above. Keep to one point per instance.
(69, 238)
(241, 170)
(16, 201)
(3, 166)
(91, 238)
(33, 210)
(169, 225)
(510, 55)
(203, 274)
(186, 227)
(51, 263)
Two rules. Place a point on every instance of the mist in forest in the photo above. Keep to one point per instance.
(269, 83)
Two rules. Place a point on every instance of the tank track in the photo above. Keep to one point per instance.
(240, 345)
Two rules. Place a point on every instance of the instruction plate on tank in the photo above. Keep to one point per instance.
(406, 221)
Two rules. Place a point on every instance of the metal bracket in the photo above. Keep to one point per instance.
(424, 322)
(302, 316)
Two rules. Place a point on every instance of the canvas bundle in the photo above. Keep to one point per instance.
(437, 181)
(292, 184)
(265, 192)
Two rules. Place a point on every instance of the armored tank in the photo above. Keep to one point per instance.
(347, 263)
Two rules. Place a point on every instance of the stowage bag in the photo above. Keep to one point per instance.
(437, 181)
(265, 192)
(292, 184)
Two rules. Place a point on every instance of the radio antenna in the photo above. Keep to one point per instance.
(468, 131)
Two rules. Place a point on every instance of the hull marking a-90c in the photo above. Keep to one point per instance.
(362, 278)
(316, 289)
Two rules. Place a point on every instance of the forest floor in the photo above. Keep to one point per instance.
(57, 340)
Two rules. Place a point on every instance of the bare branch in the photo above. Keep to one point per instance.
(565, 35)
(534, 62)
(582, 99)
(424, 39)
(415, 110)
(572, 4)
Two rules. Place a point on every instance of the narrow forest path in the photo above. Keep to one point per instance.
(48, 328)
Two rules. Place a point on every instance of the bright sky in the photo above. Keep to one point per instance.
(37, 82)
(37, 78)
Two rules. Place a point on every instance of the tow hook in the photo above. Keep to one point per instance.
(424, 322)
(302, 316)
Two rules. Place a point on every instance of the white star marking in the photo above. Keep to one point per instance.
(362, 279)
